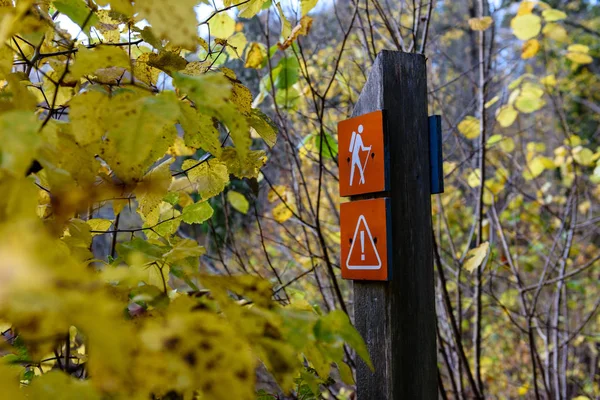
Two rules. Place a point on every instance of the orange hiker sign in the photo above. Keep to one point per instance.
(364, 239)
(362, 158)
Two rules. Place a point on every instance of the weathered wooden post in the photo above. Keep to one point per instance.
(386, 229)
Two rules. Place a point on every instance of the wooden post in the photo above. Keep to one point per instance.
(397, 318)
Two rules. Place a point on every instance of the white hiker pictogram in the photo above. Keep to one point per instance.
(369, 257)
(356, 146)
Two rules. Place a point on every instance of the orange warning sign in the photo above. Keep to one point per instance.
(362, 158)
(364, 239)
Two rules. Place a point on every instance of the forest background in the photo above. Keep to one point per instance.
(170, 211)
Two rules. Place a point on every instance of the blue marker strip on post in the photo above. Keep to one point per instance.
(436, 160)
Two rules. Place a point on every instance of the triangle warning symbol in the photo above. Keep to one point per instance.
(363, 253)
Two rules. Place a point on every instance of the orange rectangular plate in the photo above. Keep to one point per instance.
(362, 154)
(365, 239)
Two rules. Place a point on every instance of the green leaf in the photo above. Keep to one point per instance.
(172, 198)
(78, 12)
(197, 213)
(314, 143)
(288, 99)
(286, 72)
(238, 201)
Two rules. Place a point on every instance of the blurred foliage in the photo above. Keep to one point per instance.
(149, 250)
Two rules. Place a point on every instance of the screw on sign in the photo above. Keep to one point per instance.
(364, 239)
(363, 159)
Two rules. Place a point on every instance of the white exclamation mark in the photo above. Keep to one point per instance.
(362, 245)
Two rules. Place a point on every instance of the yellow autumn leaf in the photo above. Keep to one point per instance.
(6, 61)
(153, 187)
(480, 24)
(255, 56)
(526, 26)
(236, 45)
(578, 53)
(578, 48)
(572, 141)
(210, 177)
(513, 96)
(523, 390)
(286, 26)
(200, 130)
(537, 166)
(140, 130)
(548, 80)
(583, 156)
(99, 224)
(302, 28)
(525, 7)
(277, 192)
(221, 26)
(307, 5)
(552, 15)
(473, 179)
(491, 102)
(247, 9)
(530, 48)
(282, 212)
(122, 6)
(530, 99)
(176, 24)
(493, 140)
(507, 145)
(555, 32)
(475, 256)
(469, 127)
(143, 71)
(87, 113)
(580, 58)
(89, 61)
(506, 115)
(584, 206)
(19, 141)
